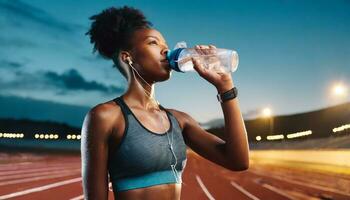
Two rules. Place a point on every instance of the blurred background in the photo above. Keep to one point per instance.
(293, 82)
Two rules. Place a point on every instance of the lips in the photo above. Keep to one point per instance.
(165, 61)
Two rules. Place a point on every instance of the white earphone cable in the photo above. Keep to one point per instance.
(173, 166)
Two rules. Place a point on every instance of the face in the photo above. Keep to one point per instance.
(148, 54)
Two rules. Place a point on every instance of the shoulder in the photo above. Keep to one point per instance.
(101, 118)
(105, 110)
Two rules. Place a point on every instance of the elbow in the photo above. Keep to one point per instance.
(240, 168)
(243, 166)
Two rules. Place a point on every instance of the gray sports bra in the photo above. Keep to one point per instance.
(143, 158)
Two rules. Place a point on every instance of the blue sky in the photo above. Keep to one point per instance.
(291, 52)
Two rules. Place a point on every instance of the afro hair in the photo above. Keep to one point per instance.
(111, 29)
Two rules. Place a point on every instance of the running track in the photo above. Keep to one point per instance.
(41, 177)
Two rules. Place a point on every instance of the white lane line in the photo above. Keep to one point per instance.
(244, 191)
(12, 172)
(199, 180)
(41, 188)
(317, 187)
(15, 167)
(38, 178)
(272, 188)
(278, 191)
(78, 197)
(16, 176)
(11, 164)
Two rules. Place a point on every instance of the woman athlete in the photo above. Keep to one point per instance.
(132, 140)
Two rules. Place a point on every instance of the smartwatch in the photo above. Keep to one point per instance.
(230, 94)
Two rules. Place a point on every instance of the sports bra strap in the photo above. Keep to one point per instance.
(123, 106)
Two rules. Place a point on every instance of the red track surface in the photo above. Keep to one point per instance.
(30, 176)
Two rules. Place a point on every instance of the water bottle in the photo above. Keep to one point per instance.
(221, 60)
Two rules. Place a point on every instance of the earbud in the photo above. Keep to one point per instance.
(129, 60)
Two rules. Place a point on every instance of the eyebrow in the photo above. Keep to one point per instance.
(151, 37)
(155, 37)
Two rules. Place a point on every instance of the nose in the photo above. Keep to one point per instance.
(165, 51)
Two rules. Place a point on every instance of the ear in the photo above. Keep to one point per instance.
(125, 56)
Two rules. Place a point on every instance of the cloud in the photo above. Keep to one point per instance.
(18, 13)
(10, 64)
(70, 80)
(16, 42)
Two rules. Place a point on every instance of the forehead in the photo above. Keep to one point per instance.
(143, 34)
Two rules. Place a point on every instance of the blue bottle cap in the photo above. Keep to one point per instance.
(172, 57)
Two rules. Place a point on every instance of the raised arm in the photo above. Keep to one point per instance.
(232, 152)
(94, 154)
(236, 145)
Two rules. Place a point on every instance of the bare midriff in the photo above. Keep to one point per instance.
(164, 192)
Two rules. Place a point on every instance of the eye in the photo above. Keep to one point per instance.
(153, 42)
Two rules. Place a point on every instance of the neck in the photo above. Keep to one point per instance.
(141, 94)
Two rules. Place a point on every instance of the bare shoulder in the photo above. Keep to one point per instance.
(102, 118)
(105, 110)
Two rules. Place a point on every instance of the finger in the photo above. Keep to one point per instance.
(205, 49)
(203, 71)
(198, 49)
(212, 49)
(201, 49)
(198, 66)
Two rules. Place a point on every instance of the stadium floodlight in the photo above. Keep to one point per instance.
(339, 89)
(275, 137)
(266, 112)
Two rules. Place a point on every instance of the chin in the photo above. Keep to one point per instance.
(164, 76)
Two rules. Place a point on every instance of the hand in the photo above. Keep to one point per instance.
(221, 80)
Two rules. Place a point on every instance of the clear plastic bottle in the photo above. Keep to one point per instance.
(220, 60)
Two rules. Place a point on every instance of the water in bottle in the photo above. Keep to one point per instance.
(219, 60)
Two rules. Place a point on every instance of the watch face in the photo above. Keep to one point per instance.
(231, 94)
